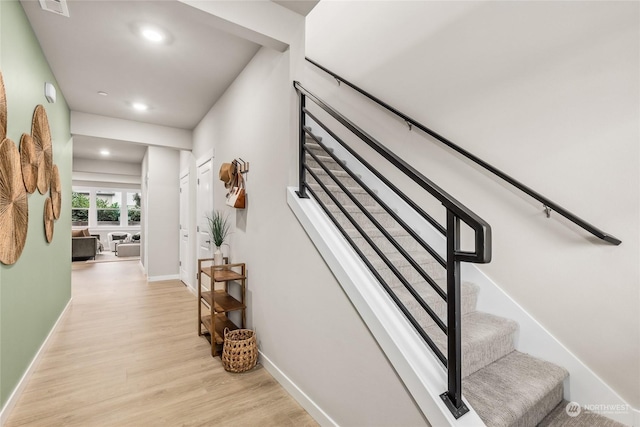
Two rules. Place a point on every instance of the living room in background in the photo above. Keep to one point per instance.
(105, 210)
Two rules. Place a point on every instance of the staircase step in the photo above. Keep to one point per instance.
(468, 298)
(311, 145)
(344, 200)
(428, 264)
(342, 175)
(407, 242)
(516, 390)
(380, 215)
(560, 418)
(331, 164)
(485, 339)
(344, 178)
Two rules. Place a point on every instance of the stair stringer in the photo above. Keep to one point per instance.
(421, 372)
(582, 386)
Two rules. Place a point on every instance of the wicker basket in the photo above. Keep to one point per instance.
(240, 351)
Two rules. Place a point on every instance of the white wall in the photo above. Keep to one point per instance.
(305, 324)
(545, 91)
(161, 213)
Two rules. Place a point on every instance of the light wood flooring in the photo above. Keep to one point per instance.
(127, 354)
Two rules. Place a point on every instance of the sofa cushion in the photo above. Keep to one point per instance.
(80, 233)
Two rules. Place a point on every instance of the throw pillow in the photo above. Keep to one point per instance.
(86, 233)
(76, 233)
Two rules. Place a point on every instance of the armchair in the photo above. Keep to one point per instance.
(117, 237)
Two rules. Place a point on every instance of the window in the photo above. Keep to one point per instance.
(133, 208)
(108, 207)
(104, 207)
(80, 208)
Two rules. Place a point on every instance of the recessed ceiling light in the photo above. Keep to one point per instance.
(104, 152)
(153, 34)
(102, 93)
(140, 106)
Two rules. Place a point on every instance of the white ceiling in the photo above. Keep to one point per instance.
(87, 147)
(98, 48)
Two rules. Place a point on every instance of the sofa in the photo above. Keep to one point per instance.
(116, 238)
(130, 248)
(83, 245)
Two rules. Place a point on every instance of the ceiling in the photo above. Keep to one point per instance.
(98, 48)
(87, 147)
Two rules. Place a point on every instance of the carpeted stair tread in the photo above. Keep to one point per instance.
(321, 173)
(517, 390)
(374, 210)
(469, 298)
(407, 242)
(560, 418)
(485, 339)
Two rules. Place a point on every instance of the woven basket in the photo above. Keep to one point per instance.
(240, 351)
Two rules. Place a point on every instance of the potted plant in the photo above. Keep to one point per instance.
(218, 230)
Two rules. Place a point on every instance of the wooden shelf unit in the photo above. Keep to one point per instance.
(219, 302)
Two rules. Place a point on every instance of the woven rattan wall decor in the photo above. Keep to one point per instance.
(29, 163)
(41, 135)
(3, 110)
(48, 220)
(21, 172)
(56, 189)
(14, 214)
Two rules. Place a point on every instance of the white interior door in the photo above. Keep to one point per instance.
(185, 266)
(204, 207)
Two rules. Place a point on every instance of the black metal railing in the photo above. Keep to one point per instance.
(547, 204)
(455, 213)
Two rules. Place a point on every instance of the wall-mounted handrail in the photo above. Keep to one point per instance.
(547, 204)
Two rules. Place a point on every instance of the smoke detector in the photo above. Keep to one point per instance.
(59, 7)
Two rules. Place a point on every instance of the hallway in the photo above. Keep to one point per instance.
(126, 353)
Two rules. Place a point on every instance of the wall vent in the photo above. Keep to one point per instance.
(59, 7)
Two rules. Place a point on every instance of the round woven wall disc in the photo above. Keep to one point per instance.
(56, 195)
(3, 110)
(41, 135)
(28, 162)
(48, 220)
(14, 208)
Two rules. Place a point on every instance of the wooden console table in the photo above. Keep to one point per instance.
(219, 302)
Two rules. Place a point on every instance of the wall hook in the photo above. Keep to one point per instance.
(338, 80)
(547, 211)
(409, 124)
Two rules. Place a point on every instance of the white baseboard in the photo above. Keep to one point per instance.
(161, 278)
(305, 401)
(13, 399)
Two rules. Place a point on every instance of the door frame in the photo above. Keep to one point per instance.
(185, 213)
(208, 156)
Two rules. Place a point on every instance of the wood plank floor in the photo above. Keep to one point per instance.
(127, 354)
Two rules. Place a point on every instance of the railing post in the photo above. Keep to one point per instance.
(453, 396)
(302, 189)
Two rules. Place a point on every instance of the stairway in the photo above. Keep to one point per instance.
(505, 387)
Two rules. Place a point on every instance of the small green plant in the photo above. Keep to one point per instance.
(218, 227)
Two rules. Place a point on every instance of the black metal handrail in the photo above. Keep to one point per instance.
(547, 204)
(456, 212)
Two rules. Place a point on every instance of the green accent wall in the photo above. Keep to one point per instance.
(35, 290)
